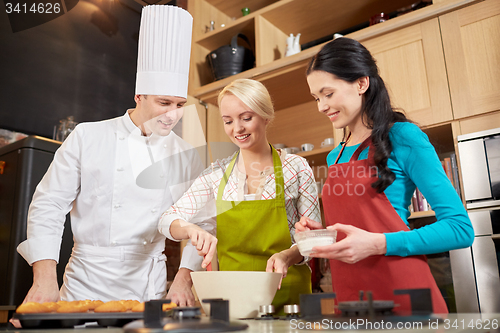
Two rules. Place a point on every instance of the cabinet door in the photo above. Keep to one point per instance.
(219, 144)
(411, 62)
(471, 40)
(194, 127)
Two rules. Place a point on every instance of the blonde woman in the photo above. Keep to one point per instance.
(260, 193)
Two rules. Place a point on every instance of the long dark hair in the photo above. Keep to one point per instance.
(348, 60)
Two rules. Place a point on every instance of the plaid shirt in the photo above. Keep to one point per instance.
(301, 196)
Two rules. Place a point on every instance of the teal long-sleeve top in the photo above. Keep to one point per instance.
(415, 163)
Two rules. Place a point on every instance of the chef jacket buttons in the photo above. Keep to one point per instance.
(153, 210)
(164, 146)
(118, 206)
(113, 243)
(119, 169)
(121, 138)
(145, 243)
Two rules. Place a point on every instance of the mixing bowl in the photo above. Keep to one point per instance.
(306, 240)
(245, 290)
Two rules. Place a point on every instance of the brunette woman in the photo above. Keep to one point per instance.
(371, 178)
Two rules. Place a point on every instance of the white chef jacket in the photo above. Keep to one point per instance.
(116, 183)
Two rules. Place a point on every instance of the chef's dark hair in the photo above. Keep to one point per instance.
(348, 60)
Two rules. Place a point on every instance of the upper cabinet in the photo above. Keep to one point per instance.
(267, 27)
(411, 62)
(411, 45)
(440, 62)
(471, 41)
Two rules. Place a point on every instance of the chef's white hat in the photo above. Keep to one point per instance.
(164, 51)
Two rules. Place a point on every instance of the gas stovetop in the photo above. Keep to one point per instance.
(316, 311)
(185, 319)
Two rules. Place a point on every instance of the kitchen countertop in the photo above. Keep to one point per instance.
(450, 323)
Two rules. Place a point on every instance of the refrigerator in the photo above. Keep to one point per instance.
(22, 166)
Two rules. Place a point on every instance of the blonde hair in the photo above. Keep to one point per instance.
(253, 94)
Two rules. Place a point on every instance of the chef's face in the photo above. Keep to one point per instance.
(243, 126)
(159, 114)
(339, 100)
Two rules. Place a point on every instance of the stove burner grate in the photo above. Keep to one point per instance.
(185, 319)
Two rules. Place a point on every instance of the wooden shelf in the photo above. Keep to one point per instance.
(417, 215)
(320, 18)
(222, 36)
(272, 74)
(299, 14)
(441, 137)
(233, 8)
(316, 157)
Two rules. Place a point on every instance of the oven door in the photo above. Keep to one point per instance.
(475, 270)
(492, 147)
(473, 162)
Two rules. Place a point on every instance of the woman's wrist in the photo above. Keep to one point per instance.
(381, 244)
(178, 229)
(292, 256)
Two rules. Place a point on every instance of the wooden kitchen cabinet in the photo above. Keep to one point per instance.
(408, 50)
(471, 41)
(411, 62)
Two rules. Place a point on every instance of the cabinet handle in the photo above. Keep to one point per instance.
(2, 166)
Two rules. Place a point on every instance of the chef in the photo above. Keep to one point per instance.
(116, 177)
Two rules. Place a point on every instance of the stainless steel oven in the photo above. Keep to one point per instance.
(475, 270)
(480, 163)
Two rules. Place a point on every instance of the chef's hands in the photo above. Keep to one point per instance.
(180, 291)
(306, 224)
(279, 262)
(357, 245)
(202, 240)
(45, 287)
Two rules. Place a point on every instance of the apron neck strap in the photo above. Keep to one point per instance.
(278, 175)
(342, 149)
(358, 151)
(361, 147)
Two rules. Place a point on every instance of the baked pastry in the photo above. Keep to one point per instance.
(111, 306)
(52, 306)
(92, 304)
(32, 307)
(168, 306)
(129, 304)
(72, 307)
(138, 308)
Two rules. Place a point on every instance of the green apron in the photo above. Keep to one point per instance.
(250, 232)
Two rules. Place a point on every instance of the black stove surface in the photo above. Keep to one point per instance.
(185, 319)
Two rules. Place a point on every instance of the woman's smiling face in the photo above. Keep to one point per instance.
(339, 100)
(242, 125)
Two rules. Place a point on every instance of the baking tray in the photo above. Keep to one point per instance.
(65, 320)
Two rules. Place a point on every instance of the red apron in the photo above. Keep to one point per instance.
(349, 198)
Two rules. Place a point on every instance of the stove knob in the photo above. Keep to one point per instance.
(292, 309)
(266, 309)
(181, 313)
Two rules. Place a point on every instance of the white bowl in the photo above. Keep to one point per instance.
(306, 240)
(245, 290)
